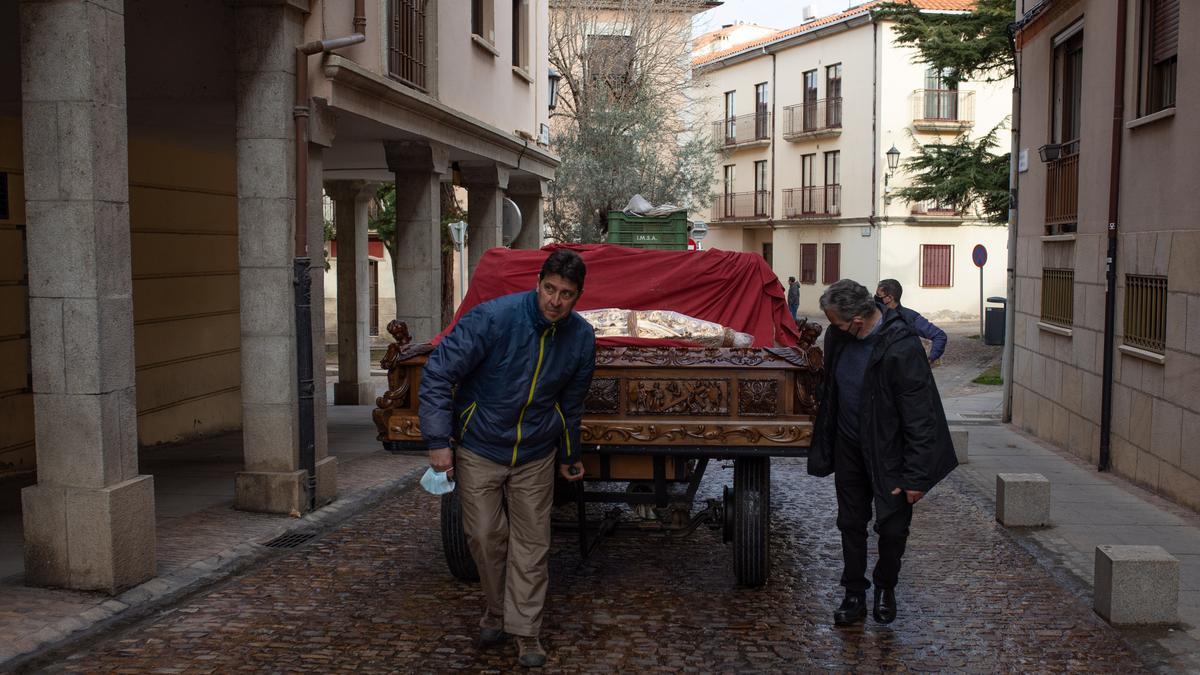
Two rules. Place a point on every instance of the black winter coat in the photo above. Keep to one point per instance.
(902, 426)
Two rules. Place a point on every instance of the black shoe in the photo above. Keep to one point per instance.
(852, 610)
(885, 605)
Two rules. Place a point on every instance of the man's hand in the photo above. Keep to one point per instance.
(913, 496)
(442, 460)
(571, 472)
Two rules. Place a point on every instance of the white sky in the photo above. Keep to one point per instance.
(774, 13)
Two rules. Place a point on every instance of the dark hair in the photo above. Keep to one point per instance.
(892, 288)
(791, 279)
(848, 299)
(567, 264)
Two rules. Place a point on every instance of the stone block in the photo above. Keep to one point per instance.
(326, 481)
(44, 516)
(268, 369)
(61, 249)
(270, 492)
(264, 104)
(267, 304)
(265, 169)
(265, 232)
(51, 65)
(98, 344)
(960, 438)
(1022, 499)
(1136, 585)
(269, 436)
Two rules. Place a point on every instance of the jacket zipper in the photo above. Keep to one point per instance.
(566, 436)
(532, 386)
(468, 412)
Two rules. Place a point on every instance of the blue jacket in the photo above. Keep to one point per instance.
(925, 329)
(521, 382)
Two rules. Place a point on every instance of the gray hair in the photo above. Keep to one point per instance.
(848, 299)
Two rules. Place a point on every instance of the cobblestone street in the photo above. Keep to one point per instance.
(375, 595)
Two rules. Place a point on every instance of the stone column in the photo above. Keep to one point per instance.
(485, 210)
(529, 194)
(419, 167)
(351, 199)
(89, 521)
(265, 37)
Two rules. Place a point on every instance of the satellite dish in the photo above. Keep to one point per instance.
(512, 222)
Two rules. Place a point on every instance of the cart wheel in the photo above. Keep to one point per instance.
(751, 520)
(454, 540)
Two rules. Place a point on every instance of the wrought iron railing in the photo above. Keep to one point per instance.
(742, 205)
(1146, 312)
(743, 129)
(1062, 189)
(812, 117)
(812, 202)
(406, 42)
(944, 106)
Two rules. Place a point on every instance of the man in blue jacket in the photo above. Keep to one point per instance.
(889, 292)
(522, 365)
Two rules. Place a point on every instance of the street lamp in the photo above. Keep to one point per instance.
(893, 157)
(1050, 152)
(554, 78)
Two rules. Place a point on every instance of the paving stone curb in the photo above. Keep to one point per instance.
(160, 592)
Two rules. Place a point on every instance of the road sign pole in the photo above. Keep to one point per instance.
(981, 304)
(979, 257)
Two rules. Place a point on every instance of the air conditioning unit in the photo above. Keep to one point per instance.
(806, 14)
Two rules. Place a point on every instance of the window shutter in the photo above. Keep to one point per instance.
(1165, 29)
(833, 264)
(808, 263)
(935, 265)
(3, 196)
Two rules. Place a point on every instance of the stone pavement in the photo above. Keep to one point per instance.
(201, 538)
(375, 595)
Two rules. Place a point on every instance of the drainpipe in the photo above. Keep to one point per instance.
(1010, 314)
(302, 263)
(874, 127)
(774, 95)
(1114, 200)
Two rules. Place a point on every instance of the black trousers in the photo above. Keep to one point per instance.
(855, 497)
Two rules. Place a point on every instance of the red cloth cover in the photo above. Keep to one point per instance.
(737, 290)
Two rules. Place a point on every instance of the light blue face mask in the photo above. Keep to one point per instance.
(436, 482)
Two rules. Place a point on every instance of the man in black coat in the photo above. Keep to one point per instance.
(881, 431)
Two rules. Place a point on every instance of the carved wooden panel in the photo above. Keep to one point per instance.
(603, 397)
(678, 397)
(636, 433)
(758, 398)
(678, 356)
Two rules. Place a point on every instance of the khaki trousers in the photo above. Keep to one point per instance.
(511, 549)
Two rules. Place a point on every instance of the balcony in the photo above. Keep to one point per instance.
(813, 120)
(943, 109)
(733, 206)
(1062, 190)
(813, 202)
(745, 131)
(406, 42)
(932, 208)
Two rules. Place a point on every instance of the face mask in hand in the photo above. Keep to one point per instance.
(436, 482)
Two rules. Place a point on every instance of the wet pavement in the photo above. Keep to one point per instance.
(375, 595)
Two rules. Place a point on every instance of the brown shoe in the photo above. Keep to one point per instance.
(491, 630)
(529, 652)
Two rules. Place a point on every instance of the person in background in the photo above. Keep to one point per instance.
(888, 292)
(508, 384)
(793, 297)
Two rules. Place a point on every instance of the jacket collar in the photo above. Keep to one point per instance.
(536, 318)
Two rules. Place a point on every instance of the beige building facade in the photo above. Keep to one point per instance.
(155, 159)
(806, 118)
(1126, 395)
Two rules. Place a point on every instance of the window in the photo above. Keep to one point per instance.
(1146, 312)
(1068, 89)
(833, 179)
(807, 182)
(935, 265)
(810, 100)
(729, 176)
(762, 195)
(1160, 40)
(730, 122)
(762, 106)
(406, 42)
(1058, 296)
(520, 33)
(833, 264)
(808, 263)
(768, 252)
(482, 21)
(833, 95)
(941, 98)
(728, 207)
(373, 282)
(3, 195)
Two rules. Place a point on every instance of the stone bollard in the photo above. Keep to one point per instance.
(960, 438)
(1136, 585)
(1022, 499)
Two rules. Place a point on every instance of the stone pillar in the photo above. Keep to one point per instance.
(321, 127)
(89, 521)
(529, 193)
(419, 167)
(351, 199)
(264, 42)
(485, 210)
